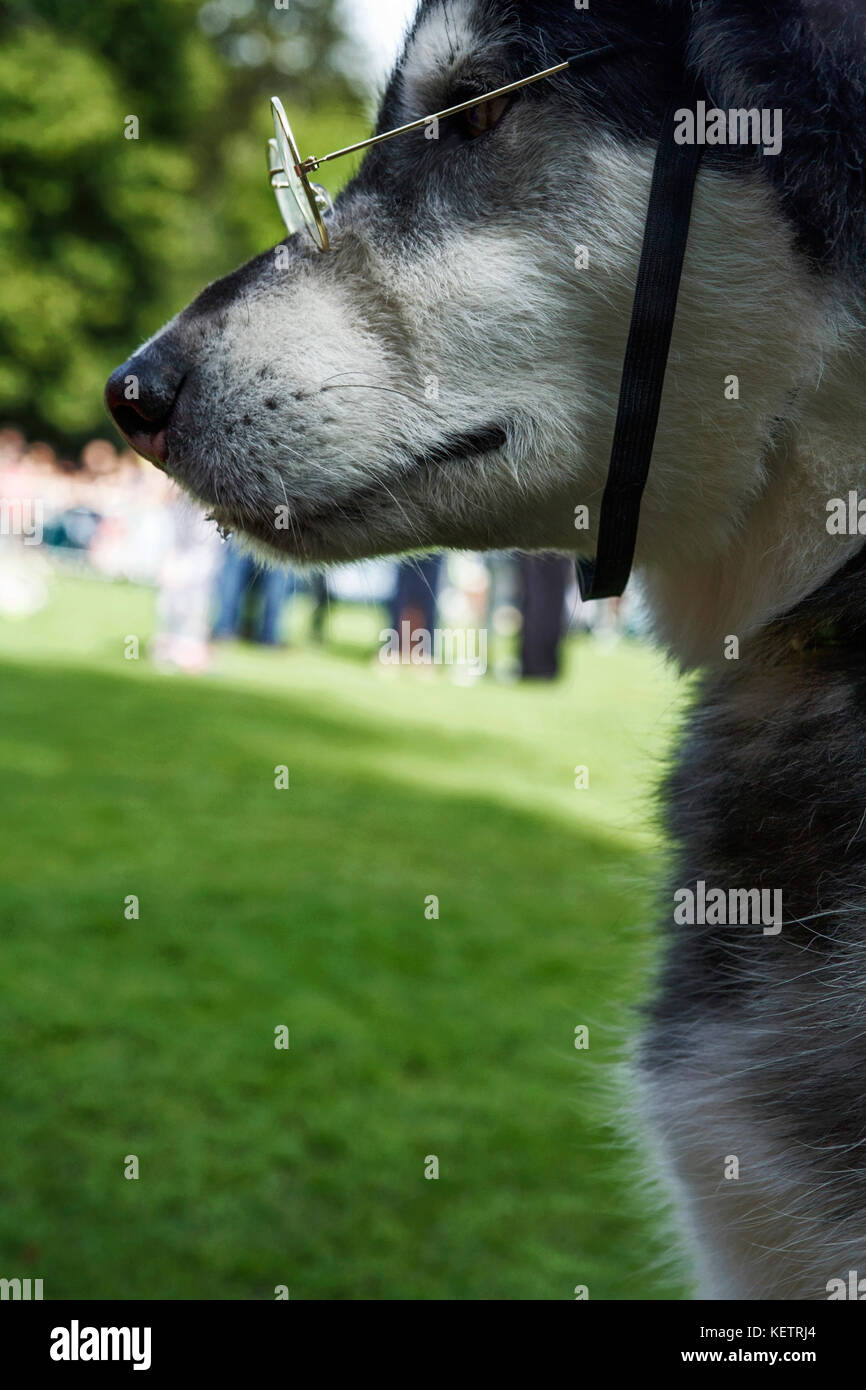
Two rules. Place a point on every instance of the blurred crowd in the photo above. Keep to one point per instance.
(113, 516)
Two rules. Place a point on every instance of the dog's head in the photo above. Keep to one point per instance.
(447, 373)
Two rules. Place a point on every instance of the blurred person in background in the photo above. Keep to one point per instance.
(186, 578)
(250, 598)
(318, 586)
(546, 580)
(415, 599)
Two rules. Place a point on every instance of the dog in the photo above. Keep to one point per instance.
(447, 375)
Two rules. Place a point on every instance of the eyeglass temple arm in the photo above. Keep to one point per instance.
(310, 165)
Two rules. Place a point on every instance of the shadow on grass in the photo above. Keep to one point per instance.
(411, 1035)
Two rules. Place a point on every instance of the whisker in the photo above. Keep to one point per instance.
(367, 386)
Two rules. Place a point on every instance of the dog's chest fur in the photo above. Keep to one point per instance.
(756, 1048)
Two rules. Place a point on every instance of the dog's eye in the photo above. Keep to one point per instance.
(479, 119)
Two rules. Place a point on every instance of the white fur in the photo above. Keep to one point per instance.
(445, 36)
(764, 1233)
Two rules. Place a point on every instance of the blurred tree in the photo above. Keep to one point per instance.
(132, 157)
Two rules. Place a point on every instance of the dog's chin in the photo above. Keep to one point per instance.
(293, 529)
(379, 518)
(301, 543)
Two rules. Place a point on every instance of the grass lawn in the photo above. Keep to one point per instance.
(261, 907)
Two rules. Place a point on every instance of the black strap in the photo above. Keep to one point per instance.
(643, 375)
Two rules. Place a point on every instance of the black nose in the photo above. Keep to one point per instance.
(141, 395)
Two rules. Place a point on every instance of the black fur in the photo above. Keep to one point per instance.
(776, 731)
(769, 791)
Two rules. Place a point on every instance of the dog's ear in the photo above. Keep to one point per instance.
(807, 60)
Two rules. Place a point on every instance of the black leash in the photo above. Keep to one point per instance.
(652, 319)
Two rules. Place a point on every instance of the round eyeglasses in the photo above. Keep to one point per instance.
(301, 203)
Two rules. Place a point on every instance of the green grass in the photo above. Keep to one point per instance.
(259, 907)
